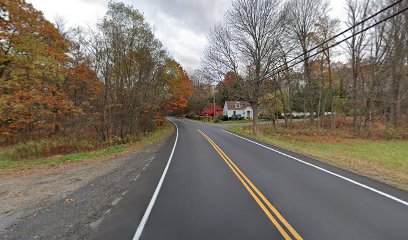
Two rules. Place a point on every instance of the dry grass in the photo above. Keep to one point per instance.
(384, 160)
(16, 160)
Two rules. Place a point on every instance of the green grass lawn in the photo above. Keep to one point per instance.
(6, 162)
(230, 121)
(383, 160)
(237, 121)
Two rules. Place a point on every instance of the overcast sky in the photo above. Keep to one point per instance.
(181, 25)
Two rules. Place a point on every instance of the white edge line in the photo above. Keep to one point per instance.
(326, 171)
(156, 192)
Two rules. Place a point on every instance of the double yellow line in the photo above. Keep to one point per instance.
(265, 205)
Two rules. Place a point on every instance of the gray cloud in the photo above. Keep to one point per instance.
(197, 15)
(181, 25)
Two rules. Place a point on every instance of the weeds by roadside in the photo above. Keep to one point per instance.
(51, 152)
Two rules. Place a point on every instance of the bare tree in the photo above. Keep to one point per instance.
(128, 58)
(326, 29)
(301, 18)
(357, 11)
(247, 44)
(398, 38)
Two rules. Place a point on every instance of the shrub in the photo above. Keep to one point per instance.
(340, 121)
(224, 118)
(52, 146)
(26, 150)
(159, 120)
(393, 133)
(114, 140)
(236, 117)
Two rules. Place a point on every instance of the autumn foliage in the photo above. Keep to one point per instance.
(53, 84)
(209, 110)
(230, 79)
(32, 71)
(180, 87)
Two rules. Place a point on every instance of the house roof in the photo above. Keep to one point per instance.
(231, 105)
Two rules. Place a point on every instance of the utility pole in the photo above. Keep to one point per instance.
(199, 99)
(214, 105)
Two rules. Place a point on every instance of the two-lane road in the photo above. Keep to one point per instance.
(221, 186)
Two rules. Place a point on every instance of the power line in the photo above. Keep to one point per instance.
(347, 38)
(348, 29)
(339, 42)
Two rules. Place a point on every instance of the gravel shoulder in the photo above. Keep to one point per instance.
(68, 202)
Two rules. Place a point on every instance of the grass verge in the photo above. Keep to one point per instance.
(237, 121)
(383, 160)
(7, 163)
(229, 121)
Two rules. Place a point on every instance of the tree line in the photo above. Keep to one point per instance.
(113, 80)
(365, 79)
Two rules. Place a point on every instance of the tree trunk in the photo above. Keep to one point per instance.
(331, 97)
(285, 110)
(275, 115)
(309, 91)
(395, 104)
(283, 103)
(287, 104)
(368, 119)
(255, 127)
(319, 106)
(289, 99)
(354, 93)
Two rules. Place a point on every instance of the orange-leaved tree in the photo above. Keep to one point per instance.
(81, 82)
(178, 86)
(32, 59)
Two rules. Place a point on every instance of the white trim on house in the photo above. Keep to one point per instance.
(239, 108)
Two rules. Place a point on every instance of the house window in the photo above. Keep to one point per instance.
(237, 105)
(235, 112)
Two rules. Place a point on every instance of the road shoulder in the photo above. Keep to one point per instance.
(90, 192)
(123, 220)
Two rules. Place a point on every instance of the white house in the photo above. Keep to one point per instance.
(242, 108)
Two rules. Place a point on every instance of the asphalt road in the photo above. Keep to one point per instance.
(220, 186)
